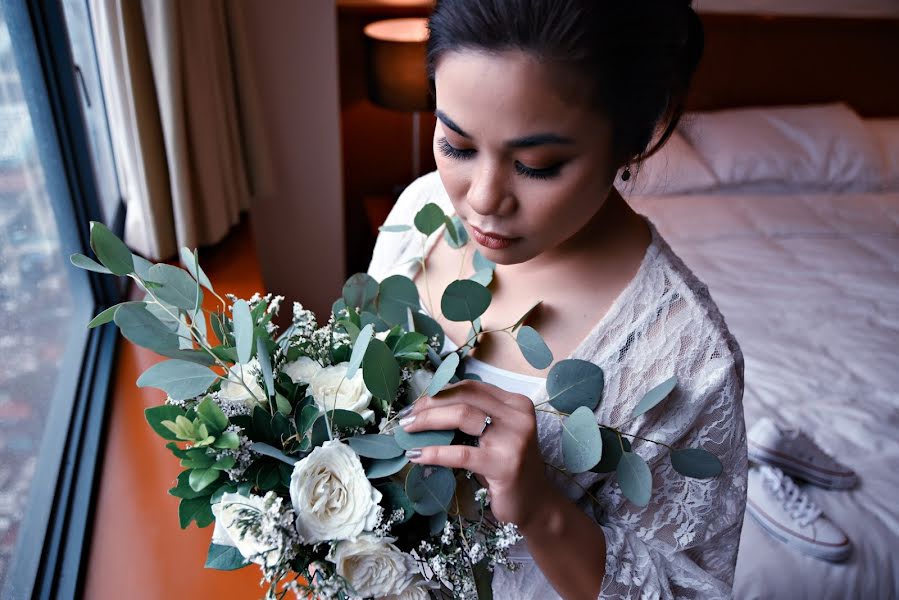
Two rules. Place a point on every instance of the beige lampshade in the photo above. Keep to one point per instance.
(396, 64)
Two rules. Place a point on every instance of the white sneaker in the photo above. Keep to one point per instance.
(797, 454)
(788, 514)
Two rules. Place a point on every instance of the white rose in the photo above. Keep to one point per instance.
(373, 566)
(417, 590)
(301, 370)
(331, 391)
(233, 391)
(331, 495)
(227, 533)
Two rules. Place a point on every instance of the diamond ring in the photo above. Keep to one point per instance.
(487, 422)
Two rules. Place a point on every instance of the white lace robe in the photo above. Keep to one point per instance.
(683, 544)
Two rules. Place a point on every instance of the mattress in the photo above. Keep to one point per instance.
(809, 286)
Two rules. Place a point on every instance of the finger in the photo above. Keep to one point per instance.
(465, 417)
(481, 388)
(487, 404)
(475, 459)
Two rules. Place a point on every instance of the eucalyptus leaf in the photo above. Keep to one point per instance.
(429, 218)
(430, 489)
(455, 233)
(465, 300)
(359, 348)
(142, 328)
(395, 498)
(695, 462)
(180, 379)
(141, 266)
(410, 346)
(380, 371)
(267, 450)
(436, 523)
(111, 251)
(581, 441)
(527, 314)
(395, 294)
(480, 263)
(385, 467)
(107, 315)
(306, 417)
(534, 349)
(445, 372)
(167, 314)
(265, 363)
(611, 451)
(345, 419)
(243, 330)
(420, 439)
(375, 445)
(572, 383)
(189, 260)
(484, 277)
(368, 318)
(83, 262)
(224, 558)
(176, 287)
(426, 325)
(360, 291)
(394, 228)
(634, 478)
(655, 395)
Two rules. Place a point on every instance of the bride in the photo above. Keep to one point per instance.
(539, 104)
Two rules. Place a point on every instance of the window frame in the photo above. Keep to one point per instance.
(54, 536)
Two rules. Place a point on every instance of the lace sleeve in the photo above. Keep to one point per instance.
(684, 543)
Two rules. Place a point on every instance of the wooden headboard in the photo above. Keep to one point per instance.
(754, 60)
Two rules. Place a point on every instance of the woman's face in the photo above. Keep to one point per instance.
(516, 158)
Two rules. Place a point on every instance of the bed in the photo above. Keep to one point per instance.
(781, 192)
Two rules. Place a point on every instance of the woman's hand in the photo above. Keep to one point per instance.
(507, 458)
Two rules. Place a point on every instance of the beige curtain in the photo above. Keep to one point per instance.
(182, 116)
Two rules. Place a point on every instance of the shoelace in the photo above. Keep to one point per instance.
(797, 504)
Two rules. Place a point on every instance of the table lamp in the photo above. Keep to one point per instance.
(397, 78)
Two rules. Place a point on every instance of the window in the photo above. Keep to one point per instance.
(53, 371)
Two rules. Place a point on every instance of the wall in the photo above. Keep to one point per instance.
(297, 216)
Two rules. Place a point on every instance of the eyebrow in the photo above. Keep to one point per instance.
(528, 141)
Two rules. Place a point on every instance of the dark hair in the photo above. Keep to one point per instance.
(639, 54)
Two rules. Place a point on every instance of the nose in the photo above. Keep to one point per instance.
(487, 192)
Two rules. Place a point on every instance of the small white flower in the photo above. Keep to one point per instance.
(331, 495)
(227, 533)
(332, 390)
(233, 392)
(374, 567)
(302, 370)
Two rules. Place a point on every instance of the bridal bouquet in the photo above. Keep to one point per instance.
(290, 440)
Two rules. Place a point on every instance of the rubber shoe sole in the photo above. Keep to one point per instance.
(829, 552)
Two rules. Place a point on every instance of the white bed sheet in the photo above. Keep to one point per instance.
(809, 286)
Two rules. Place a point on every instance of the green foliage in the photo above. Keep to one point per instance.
(445, 372)
(534, 349)
(111, 251)
(195, 509)
(581, 441)
(380, 371)
(411, 346)
(420, 439)
(484, 277)
(429, 327)
(572, 383)
(429, 218)
(375, 445)
(395, 294)
(141, 327)
(190, 262)
(229, 440)
(180, 379)
(200, 479)
(243, 330)
(394, 228)
(224, 558)
(263, 448)
(176, 287)
(183, 489)
(385, 467)
(210, 413)
(395, 497)
(695, 462)
(83, 262)
(430, 489)
(455, 233)
(157, 414)
(611, 451)
(634, 478)
(360, 291)
(107, 315)
(655, 395)
(305, 417)
(265, 364)
(480, 263)
(359, 348)
(465, 300)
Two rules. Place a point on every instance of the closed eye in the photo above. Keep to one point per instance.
(451, 151)
(546, 173)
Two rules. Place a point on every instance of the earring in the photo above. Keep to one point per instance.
(626, 174)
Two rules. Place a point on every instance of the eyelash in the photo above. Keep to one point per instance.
(451, 151)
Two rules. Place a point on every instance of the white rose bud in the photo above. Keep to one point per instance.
(331, 495)
(301, 370)
(373, 566)
(233, 391)
(227, 533)
(331, 391)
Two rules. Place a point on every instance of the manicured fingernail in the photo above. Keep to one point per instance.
(407, 420)
(413, 453)
(405, 411)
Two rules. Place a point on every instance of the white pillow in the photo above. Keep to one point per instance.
(824, 146)
(886, 131)
(675, 168)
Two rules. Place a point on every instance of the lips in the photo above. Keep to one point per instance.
(491, 240)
